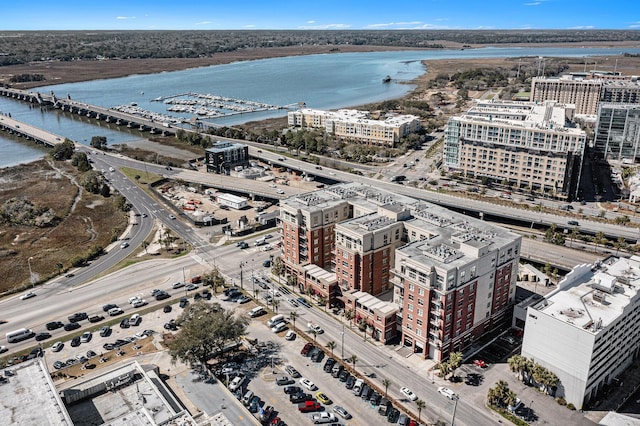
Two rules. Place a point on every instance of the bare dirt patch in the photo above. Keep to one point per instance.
(94, 221)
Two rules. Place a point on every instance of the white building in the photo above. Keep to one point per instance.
(586, 331)
(354, 125)
(232, 201)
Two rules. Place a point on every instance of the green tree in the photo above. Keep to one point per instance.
(520, 365)
(63, 151)
(620, 243)
(349, 314)
(105, 191)
(278, 268)
(205, 329)
(386, 383)
(98, 142)
(353, 359)
(323, 300)
(331, 346)
(420, 404)
(80, 161)
(293, 315)
(275, 303)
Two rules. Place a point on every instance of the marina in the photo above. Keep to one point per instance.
(213, 106)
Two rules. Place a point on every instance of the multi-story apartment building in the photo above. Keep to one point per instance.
(356, 126)
(453, 277)
(223, 155)
(586, 91)
(454, 281)
(617, 133)
(583, 93)
(586, 331)
(525, 144)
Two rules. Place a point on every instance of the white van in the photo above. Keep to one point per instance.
(256, 312)
(260, 242)
(246, 399)
(19, 335)
(236, 383)
(276, 319)
(135, 319)
(357, 387)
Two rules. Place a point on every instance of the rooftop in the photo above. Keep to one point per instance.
(221, 146)
(373, 304)
(29, 396)
(356, 116)
(594, 296)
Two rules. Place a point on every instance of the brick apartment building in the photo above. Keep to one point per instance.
(446, 278)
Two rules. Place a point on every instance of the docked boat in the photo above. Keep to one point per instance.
(386, 79)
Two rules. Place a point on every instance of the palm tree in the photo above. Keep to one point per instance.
(455, 359)
(349, 316)
(386, 383)
(315, 335)
(331, 346)
(518, 364)
(353, 359)
(502, 389)
(323, 301)
(293, 315)
(275, 305)
(510, 398)
(420, 404)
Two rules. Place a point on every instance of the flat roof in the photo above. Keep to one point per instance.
(29, 397)
(231, 198)
(373, 303)
(595, 295)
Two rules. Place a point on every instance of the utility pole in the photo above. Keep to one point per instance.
(342, 346)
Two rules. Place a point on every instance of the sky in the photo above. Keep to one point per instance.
(317, 14)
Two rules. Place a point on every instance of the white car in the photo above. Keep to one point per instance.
(279, 191)
(124, 245)
(315, 327)
(408, 393)
(3, 349)
(115, 311)
(308, 384)
(291, 335)
(57, 346)
(447, 392)
(281, 326)
(28, 295)
(323, 418)
(133, 299)
(171, 217)
(138, 303)
(86, 337)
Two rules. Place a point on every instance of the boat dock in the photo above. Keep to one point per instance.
(213, 106)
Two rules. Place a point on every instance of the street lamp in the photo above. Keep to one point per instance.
(455, 406)
(342, 347)
(241, 283)
(31, 277)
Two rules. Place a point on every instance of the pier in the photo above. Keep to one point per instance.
(119, 118)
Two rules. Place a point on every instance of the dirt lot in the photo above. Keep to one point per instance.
(85, 220)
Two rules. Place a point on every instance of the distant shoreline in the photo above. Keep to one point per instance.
(81, 71)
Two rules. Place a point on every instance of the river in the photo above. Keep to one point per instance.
(327, 81)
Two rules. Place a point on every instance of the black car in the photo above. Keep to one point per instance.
(71, 326)
(300, 397)
(54, 325)
(91, 354)
(328, 365)
(344, 375)
(124, 323)
(108, 346)
(366, 392)
(162, 295)
(350, 382)
(375, 398)
(75, 341)
(96, 318)
(171, 325)
(42, 336)
(183, 302)
(394, 413)
(58, 365)
(337, 371)
(167, 309)
(284, 380)
(292, 390)
(109, 306)
(78, 316)
(318, 356)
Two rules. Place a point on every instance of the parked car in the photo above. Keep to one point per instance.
(393, 415)
(322, 397)
(328, 365)
(280, 327)
(86, 337)
(341, 412)
(105, 331)
(291, 335)
(309, 406)
(244, 299)
(318, 356)
(292, 390)
(291, 370)
(59, 364)
(344, 375)
(323, 418)
(57, 346)
(284, 380)
(308, 384)
(479, 363)
(75, 342)
(306, 349)
(300, 397)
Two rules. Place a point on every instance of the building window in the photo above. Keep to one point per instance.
(410, 306)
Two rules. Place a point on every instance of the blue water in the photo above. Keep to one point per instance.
(321, 81)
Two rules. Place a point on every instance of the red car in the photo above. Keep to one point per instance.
(479, 363)
(309, 406)
(306, 349)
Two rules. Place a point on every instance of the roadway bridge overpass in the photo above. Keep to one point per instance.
(92, 111)
(26, 131)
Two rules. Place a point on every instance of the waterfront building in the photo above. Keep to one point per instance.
(356, 126)
(586, 90)
(451, 277)
(617, 132)
(533, 146)
(586, 331)
(223, 156)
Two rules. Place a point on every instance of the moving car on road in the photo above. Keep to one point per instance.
(408, 393)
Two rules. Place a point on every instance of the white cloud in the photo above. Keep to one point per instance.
(635, 25)
(203, 23)
(311, 22)
(395, 24)
(325, 27)
(581, 27)
(125, 17)
(535, 3)
(249, 26)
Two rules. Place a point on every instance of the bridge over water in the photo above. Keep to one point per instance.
(92, 111)
(24, 130)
